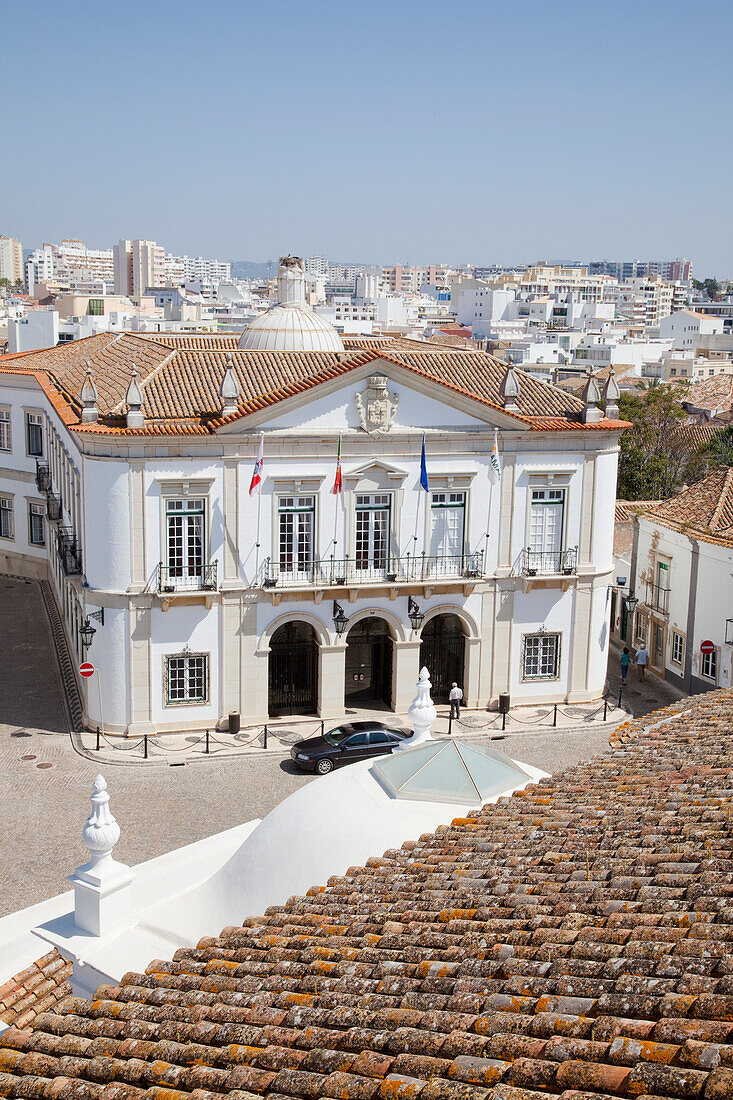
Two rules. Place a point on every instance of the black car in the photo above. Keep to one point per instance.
(345, 744)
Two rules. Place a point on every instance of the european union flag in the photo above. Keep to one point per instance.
(424, 469)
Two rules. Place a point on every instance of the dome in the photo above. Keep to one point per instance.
(291, 325)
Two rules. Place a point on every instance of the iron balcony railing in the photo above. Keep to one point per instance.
(178, 578)
(657, 597)
(69, 551)
(53, 507)
(43, 477)
(543, 563)
(336, 572)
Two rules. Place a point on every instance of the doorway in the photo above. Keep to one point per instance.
(369, 664)
(293, 670)
(442, 653)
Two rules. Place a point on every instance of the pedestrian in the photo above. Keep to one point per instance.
(455, 697)
(625, 662)
(642, 660)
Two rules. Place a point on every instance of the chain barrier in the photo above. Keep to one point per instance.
(584, 716)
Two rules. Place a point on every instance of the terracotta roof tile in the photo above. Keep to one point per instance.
(705, 509)
(38, 988)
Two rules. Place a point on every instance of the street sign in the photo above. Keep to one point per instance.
(707, 647)
(86, 669)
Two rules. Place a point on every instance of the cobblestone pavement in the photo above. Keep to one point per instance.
(638, 697)
(45, 785)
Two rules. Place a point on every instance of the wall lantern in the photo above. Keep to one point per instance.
(630, 603)
(340, 621)
(87, 632)
(415, 614)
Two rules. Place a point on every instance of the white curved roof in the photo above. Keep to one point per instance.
(290, 327)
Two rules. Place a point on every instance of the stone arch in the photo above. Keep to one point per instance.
(323, 636)
(397, 628)
(472, 630)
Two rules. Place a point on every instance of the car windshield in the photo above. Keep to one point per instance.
(336, 736)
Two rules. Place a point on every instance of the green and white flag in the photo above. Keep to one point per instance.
(495, 461)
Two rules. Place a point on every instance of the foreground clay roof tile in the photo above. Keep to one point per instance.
(180, 378)
(571, 941)
(705, 509)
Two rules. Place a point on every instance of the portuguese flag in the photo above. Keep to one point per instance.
(337, 482)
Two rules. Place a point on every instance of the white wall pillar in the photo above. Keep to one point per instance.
(471, 678)
(331, 679)
(405, 673)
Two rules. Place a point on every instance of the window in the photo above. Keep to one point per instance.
(640, 627)
(6, 518)
(710, 665)
(5, 430)
(187, 679)
(447, 524)
(356, 741)
(185, 537)
(296, 526)
(541, 657)
(372, 530)
(545, 524)
(95, 307)
(678, 648)
(34, 434)
(379, 737)
(36, 524)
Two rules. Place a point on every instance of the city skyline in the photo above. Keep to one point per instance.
(556, 132)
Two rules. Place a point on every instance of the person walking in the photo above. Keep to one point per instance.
(625, 662)
(455, 697)
(642, 660)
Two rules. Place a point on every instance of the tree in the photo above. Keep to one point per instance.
(652, 462)
(719, 450)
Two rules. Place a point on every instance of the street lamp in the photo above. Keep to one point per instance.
(87, 633)
(630, 603)
(415, 614)
(340, 621)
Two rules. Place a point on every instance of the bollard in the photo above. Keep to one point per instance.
(620, 693)
(206, 750)
(554, 716)
(503, 721)
(97, 738)
(605, 708)
(145, 746)
(265, 744)
(323, 727)
(450, 725)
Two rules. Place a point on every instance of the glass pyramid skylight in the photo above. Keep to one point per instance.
(449, 771)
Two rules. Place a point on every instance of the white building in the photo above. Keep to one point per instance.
(137, 266)
(681, 568)
(69, 265)
(685, 327)
(11, 260)
(217, 600)
(37, 328)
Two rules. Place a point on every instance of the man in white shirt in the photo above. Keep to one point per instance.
(642, 660)
(455, 697)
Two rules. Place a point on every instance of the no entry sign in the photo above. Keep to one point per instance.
(86, 669)
(706, 647)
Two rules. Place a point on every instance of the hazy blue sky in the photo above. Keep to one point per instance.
(374, 131)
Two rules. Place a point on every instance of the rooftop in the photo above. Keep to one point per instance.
(705, 509)
(571, 941)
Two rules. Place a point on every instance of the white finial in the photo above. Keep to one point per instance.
(611, 395)
(591, 396)
(101, 832)
(134, 399)
(422, 712)
(89, 397)
(509, 390)
(229, 390)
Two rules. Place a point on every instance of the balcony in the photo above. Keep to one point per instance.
(69, 551)
(657, 598)
(172, 579)
(547, 563)
(53, 508)
(43, 477)
(340, 573)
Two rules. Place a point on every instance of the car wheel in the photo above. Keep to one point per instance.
(324, 766)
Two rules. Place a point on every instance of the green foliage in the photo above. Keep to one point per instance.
(652, 462)
(710, 287)
(719, 450)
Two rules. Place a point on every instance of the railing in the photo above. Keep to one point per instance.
(542, 563)
(657, 597)
(53, 507)
(335, 572)
(43, 477)
(69, 552)
(186, 579)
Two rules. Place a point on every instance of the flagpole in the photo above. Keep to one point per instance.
(259, 512)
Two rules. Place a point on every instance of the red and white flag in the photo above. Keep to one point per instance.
(338, 482)
(257, 472)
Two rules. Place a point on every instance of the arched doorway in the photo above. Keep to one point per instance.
(293, 670)
(443, 654)
(369, 664)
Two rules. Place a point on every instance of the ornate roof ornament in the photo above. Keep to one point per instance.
(134, 400)
(509, 390)
(591, 396)
(422, 712)
(611, 395)
(101, 832)
(376, 406)
(89, 397)
(229, 391)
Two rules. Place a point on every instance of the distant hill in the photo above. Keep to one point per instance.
(250, 269)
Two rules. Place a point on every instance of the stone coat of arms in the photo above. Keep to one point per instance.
(376, 406)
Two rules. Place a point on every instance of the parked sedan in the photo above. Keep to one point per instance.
(345, 744)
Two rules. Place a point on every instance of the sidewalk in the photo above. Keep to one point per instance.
(170, 749)
(638, 698)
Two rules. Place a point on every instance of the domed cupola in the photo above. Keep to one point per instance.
(291, 325)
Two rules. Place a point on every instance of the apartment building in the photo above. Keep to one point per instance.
(11, 260)
(679, 270)
(137, 265)
(685, 327)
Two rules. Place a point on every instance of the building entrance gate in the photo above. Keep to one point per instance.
(293, 670)
(442, 653)
(369, 664)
